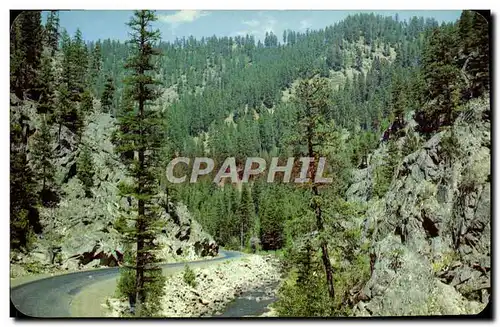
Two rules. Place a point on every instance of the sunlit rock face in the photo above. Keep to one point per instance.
(431, 245)
(79, 232)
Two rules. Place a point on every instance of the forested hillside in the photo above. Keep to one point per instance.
(367, 87)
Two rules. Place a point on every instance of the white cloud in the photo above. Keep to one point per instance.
(305, 24)
(270, 25)
(251, 23)
(182, 16)
(258, 27)
(241, 33)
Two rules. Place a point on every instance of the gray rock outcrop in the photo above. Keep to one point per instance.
(79, 232)
(431, 244)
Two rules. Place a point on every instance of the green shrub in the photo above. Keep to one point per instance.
(303, 297)
(85, 170)
(34, 267)
(189, 276)
(385, 172)
(304, 293)
(382, 180)
(120, 224)
(126, 283)
(348, 277)
(154, 291)
(450, 147)
(411, 144)
(444, 261)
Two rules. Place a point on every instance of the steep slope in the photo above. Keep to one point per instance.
(431, 231)
(80, 231)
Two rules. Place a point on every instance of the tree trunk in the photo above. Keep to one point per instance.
(319, 219)
(43, 179)
(324, 249)
(166, 195)
(241, 236)
(141, 223)
(59, 134)
(140, 229)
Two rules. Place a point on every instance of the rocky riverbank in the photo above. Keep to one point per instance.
(216, 286)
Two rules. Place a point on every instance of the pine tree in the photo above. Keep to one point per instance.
(358, 61)
(334, 58)
(107, 95)
(306, 295)
(465, 28)
(52, 31)
(474, 38)
(271, 220)
(25, 53)
(313, 101)
(43, 162)
(67, 66)
(398, 94)
(79, 64)
(144, 137)
(23, 198)
(442, 76)
(87, 103)
(246, 213)
(85, 170)
(46, 86)
(74, 64)
(232, 221)
(127, 107)
(384, 173)
(95, 67)
(66, 111)
(387, 50)
(257, 189)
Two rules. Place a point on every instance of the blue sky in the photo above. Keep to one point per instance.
(103, 24)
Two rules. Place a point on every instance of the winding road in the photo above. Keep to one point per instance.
(52, 297)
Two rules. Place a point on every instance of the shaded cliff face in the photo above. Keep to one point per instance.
(80, 231)
(432, 229)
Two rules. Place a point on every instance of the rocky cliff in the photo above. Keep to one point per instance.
(80, 231)
(430, 248)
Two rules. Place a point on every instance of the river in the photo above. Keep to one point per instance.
(252, 303)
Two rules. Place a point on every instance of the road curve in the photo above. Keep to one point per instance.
(51, 297)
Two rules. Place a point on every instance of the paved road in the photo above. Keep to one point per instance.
(51, 297)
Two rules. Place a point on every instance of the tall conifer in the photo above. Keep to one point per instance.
(143, 137)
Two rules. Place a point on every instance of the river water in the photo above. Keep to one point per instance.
(252, 303)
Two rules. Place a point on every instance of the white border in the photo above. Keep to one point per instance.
(193, 4)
